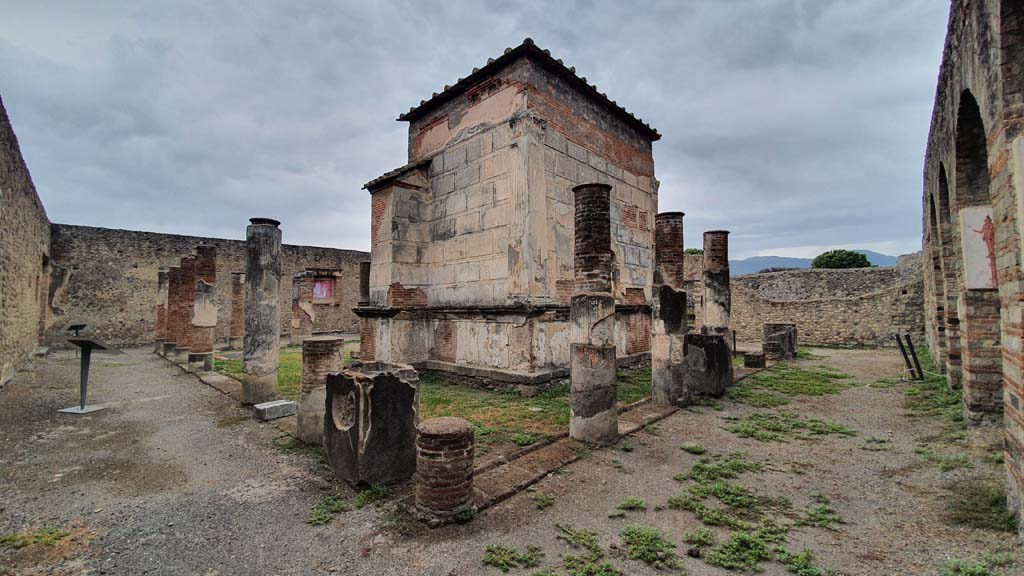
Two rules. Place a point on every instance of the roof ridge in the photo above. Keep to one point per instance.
(528, 47)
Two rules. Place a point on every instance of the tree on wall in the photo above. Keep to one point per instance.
(840, 259)
(693, 251)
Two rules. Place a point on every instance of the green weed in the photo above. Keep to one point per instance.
(821, 514)
(650, 547)
(372, 495)
(771, 427)
(801, 564)
(980, 505)
(700, 537)
(542, 500)
(46, 536)
(984, 566)
(946, 460)
(721, 467)
(505, 558)
(327, 507)
(744, 551)
(692, 448)
(632, 503)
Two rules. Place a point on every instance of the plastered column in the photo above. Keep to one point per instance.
(717, 297)
(237, 329)
(160, 328)
(204, 310)
(303, 314)
(262, 314)
(593, 415)
(171, 312)
(668, 311)
(321, 355)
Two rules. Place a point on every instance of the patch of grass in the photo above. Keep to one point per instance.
(873, 444)
(801, 564)
(633, 385)
(542, 500)
(576, 538)
(652, 429)
(289, 371)
(980, 504)
(585, 565)
(399, 518)
(984, 566)
(946, 460)
(524, 438)
(617, 464)
(650, 547)
(46, 536)
(632, 503)
(505, 558)
(821, 514)
(617, 514)
(778, 427)
(744, 551)
(932, 397)
(721, 467)
(626, 447)
(291, 445)
(804, 354)
(700, 537)
(770, 387)
(373, 495)
(692, 448)
(326, 508)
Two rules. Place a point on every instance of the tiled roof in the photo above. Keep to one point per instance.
(529, 49)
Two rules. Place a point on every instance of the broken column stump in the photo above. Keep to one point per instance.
(717, 295)
(370, 418)
(204, 310)
(262, 316)
(779, 341)
(160, 328)
(321, 355)
(444, 469)
(754, 360)
(237, 328)
(707, 370)
(593, 414)
(668, 311)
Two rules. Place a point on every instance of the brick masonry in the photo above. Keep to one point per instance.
(444, 468)
(24, 257)
(107, 277)
(974, 157)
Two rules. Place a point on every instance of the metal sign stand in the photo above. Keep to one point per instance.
(87, 347)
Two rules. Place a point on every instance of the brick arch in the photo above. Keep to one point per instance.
(948, 289)
(972, 175)
(936, 283)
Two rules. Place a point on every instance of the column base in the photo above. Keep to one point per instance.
(181, 355)
(200, 362)
(259, 389)
(168, 349)
(158, 346)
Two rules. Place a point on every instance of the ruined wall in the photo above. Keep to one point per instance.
(108, 277)
(974, 158)
(24, 249)
(855, 307)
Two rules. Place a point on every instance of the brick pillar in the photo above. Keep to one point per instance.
(444, 469)
(980, 338)
(321, 355)
(717, 298)
(160, 328)
(668, 311)
(262, 315)
(171, 312)
(204, 310)
(593, 414)
(186, 292)
(237, 331)
(367, 339)
(364, 283)
(302, 308)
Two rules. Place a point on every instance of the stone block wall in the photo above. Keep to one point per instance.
(855, 307)
(108, 277)
(24, 256)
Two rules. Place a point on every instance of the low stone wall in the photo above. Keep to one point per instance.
(108, 278)
(24, 256)
(854, 307)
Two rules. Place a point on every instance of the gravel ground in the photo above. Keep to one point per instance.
(174, 478)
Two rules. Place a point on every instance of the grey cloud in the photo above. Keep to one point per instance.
(792, 123)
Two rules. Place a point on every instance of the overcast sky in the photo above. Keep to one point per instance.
(797, 125)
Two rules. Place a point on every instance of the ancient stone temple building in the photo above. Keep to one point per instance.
(973, 206)
(472, 239)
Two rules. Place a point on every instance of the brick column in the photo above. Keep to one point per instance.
(186, 293)
(980, 338)
(171, 312)
(262, 315)
(321, 355)
(302, 308)
(717, 298)
(237, 330)
(160, 328)
(204, 310)
(593, 414)
(444, 469)
(668, 311)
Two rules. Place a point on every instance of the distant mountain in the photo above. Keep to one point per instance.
(755, 264)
